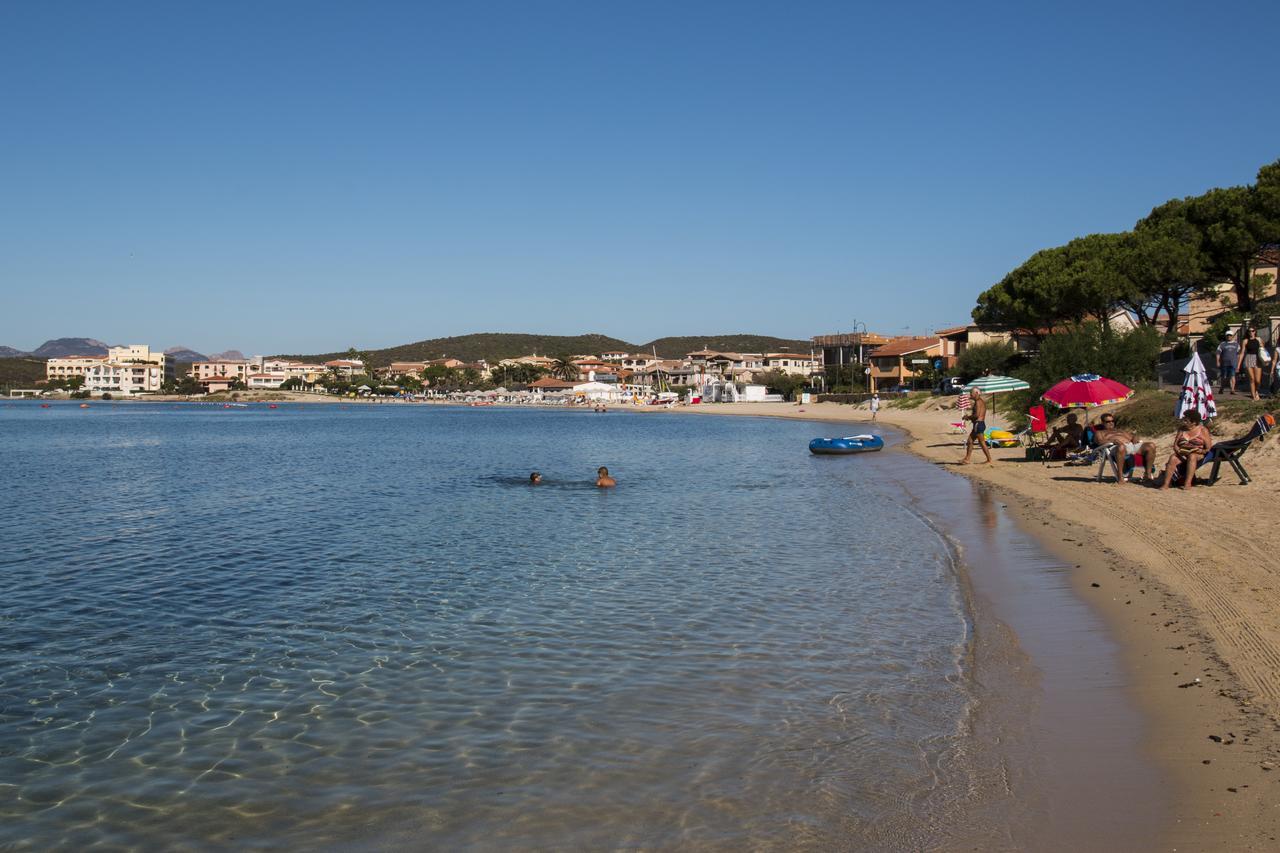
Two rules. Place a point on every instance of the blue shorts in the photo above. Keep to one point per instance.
(1227, 371)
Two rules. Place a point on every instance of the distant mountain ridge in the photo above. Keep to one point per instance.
(494, 346)
(63, 347)
(185, 354)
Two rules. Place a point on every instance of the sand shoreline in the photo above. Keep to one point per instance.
(1184, 602)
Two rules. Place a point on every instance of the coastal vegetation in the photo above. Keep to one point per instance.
(1184, 247)
(21, 372)
(495, 346)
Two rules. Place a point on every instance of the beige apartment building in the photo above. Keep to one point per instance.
(71, 365)
(132, 369)
(792, 363)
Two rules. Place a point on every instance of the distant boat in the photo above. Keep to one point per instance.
(273, 406)
(844, 446)
(44, 405)
(84, 405)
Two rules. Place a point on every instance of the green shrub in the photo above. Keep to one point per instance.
(979, 358)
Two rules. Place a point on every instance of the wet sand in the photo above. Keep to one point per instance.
(1185, 586)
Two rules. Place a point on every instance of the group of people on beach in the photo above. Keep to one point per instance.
(1190, 445)
(603, 479)
(1251, 358)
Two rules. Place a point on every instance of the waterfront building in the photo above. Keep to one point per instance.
(259, 381)
(142, 354)
(404, 368)
(71, 365)
(125, 370)
(124, 379)
(220, 373)
(899, 361)
(793, 363)
(347, 367)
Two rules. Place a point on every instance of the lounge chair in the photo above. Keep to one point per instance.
(1231, 451)
(1107, 456)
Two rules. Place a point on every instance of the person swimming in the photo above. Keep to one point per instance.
(535, 479)
(603, 480)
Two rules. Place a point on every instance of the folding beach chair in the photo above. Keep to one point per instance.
(1037, 428)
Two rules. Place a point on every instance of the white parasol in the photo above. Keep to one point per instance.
(1197, 393)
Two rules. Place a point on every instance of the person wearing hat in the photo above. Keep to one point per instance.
(1228, 356)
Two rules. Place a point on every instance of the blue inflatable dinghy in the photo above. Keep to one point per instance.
(846, 445)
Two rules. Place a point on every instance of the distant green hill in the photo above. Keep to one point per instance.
(678, 347)
(20, 372)
(494, 346)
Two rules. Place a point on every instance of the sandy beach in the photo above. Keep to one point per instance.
(1187, 581)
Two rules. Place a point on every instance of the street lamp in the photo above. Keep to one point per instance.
(860, 335)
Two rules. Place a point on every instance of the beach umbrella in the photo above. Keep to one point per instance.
(996, 384)
(1197, 392)
(1085, 391)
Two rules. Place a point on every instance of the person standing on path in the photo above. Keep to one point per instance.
(1228, 356)
(978, 433)
(1251, 359)
(875, 406)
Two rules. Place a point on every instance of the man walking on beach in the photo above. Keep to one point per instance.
(1228, 355)
(875, 406)
(978, 433)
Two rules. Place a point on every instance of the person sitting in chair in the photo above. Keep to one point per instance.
(1065, 439)
(1189, 446)
(1127, 443)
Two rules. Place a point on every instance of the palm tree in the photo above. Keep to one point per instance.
(564, 369)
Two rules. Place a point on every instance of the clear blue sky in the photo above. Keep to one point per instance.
(306, 176)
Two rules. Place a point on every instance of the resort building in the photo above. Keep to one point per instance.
(308, 373)
(791, 363)
(71, 365)
(142, 354)
(126, 379)
(266, 380)
(221, 372)
(346, 367)
(404, 368)
(898, 362)
(637, 361)
(549, 386)
(132, 369)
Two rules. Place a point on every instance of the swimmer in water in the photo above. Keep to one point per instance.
(603, 480)
(535, 479)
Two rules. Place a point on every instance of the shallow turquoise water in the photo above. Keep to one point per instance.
(325, 626)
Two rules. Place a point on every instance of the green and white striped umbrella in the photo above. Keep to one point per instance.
(996, 384)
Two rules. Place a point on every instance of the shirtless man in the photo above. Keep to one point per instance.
(1126, 443)
(977, 433)
(1069, 437)
(603, 480)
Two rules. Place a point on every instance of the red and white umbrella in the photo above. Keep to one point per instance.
(1197, 391)
(1087, 391)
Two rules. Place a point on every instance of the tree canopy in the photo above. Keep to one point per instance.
(1182, 248)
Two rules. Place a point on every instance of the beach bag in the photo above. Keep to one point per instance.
(1264, 357)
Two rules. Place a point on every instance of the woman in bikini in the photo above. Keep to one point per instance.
(1189, 446)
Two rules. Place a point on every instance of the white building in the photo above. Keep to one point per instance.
(125, 379)
(133, 369)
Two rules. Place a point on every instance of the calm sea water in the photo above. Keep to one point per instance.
(336, 626)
